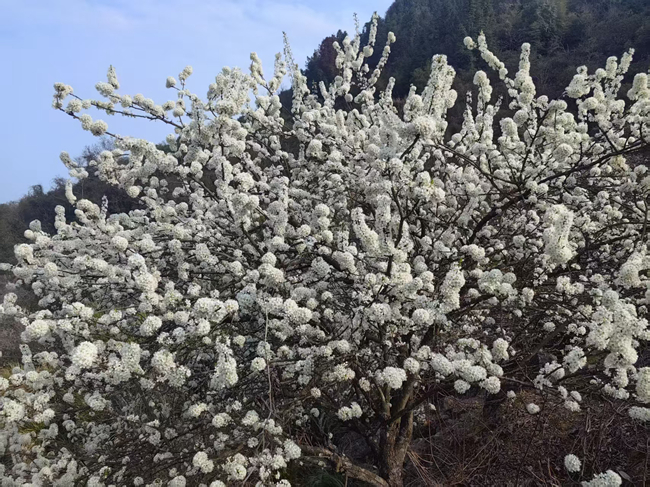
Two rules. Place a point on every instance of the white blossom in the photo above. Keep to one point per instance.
(202, 462)
(607, 479)
(84, 355)
(258, 364)
(532, 408)
(572, 463)
(392, 377)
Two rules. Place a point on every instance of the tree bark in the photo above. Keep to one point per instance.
(396, 439)
(344, 464)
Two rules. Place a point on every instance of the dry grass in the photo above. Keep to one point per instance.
(461, 447)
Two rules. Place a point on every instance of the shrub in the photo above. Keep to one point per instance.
(211, 336)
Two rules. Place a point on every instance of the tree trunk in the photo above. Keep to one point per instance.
(491, 407)
(396, 439)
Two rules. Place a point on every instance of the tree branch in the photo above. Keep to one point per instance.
(344, 464)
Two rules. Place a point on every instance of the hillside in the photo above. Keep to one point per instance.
(564, 34)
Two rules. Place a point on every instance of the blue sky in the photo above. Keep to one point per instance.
(74, 41)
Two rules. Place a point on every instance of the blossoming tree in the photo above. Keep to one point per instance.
(345, 260)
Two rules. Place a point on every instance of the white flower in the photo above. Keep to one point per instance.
(572, 463)
(451, 286)
(50, 269)
(258, 364)
(411, 365)
(84, 355)
(491, 384)
(441, 364)
(202, 462)
(98, 128)
(178, 481)
(37, 329)
(461, 386)
(291, 450)
(392, 377)
(150, 325)
(556, 235)
(643, 385)
(195, 410)
(421, 317)
(314, 149)
(133, 191)
(220, 420)
(500, 349)
(187, 71)
(235, 470)
(251, 418)
(347, 413)
(163, 361)
(562, 152)
(532, 408)
(607, 479)
(23, 252)
(120, 243)
(639, 413)
(12, 410)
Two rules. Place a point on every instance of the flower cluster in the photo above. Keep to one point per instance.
(572, 463)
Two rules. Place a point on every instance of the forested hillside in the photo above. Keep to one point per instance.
(564, 34)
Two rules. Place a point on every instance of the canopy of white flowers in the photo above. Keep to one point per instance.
(346, 259)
